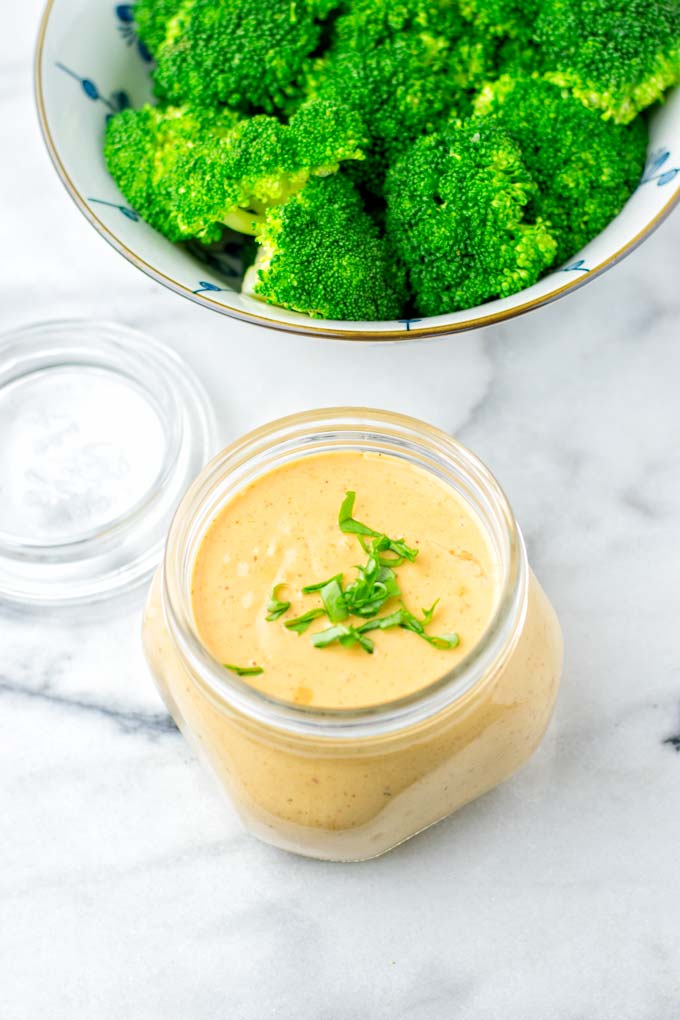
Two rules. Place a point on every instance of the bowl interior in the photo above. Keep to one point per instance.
(90, 64)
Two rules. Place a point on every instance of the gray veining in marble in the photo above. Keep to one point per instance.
(126, 888)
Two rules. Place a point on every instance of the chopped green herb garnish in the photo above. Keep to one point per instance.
(383, 622)
(276, 607)
(326, 637)
(350, 526)
(444, 641)
(412, 623)
(429, 613)
(333, 599)
(375, 584)
(301, 623)
(309, 589)
(355, 636)
(346, 635)
(396, 546)
(347, 523)
(244, 670)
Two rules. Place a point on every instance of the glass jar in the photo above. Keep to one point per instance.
(349, 784)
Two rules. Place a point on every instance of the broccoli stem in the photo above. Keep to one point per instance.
(244, 222)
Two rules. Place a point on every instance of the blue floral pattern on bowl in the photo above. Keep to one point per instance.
(576, 267)
(125, 210)
(125, 16)
(653, 168)
(114, 102)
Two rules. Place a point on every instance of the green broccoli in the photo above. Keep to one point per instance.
(190, 171)
(504, 19)
(585, 168)
(456, 210)
(244, 53)
(618, 56)
(152, 18)
(444, 152)
(406, 67)
(164, 162)
(322, 255)
(326, 133)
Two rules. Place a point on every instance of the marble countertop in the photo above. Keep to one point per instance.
(126, 888)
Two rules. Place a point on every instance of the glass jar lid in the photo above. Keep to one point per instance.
(102, 430)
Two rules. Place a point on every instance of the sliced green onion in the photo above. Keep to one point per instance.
(357, 636)
(347, 523)
(350, 526)
(412, 623)
(327, 637)
(444, 642)
(429, 613)
(388, 577)
(244, 670)
(309, 589)
(300, 623)
(383, 622)
(375, 584)
(276, 607)
(347, 636)
(333, 599)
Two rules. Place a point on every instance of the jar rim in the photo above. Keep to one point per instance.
(306, 433)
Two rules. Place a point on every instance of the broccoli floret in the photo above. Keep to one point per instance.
(585, 168)
(322, 255)
(456, 211)
(164, 163)
(190, 171)
(247, 54)
(407, 67)
(152, 18)
(388, 151)
(326, 133)
(505, 19)
(618, 56)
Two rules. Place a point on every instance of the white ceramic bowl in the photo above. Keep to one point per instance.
(89, 63)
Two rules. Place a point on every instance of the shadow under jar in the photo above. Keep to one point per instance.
(348, 784)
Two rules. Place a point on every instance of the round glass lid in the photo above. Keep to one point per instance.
(102, 429)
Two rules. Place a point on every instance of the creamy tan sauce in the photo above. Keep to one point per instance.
(283, 529)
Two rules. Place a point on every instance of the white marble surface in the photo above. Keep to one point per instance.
(126, 891)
